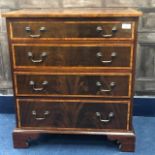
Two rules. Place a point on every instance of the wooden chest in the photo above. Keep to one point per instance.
(73, 72)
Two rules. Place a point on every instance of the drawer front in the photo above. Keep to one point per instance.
(69, 114)
(71, 29)
(109, 85)
(73, 56)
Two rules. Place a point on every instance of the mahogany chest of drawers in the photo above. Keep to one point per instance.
(73, 72)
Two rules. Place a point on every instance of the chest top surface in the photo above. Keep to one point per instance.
(100, 12)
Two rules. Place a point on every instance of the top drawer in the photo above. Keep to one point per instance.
(72, 30)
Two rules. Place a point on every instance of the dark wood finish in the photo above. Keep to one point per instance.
(22, 140)
(73, 56)
(71, 29)
(72, 114)
(126, 143)
(105, 85)
(23, 137)
(72, 38)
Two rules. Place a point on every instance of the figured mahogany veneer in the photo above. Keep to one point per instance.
(106, 85)
(70, 29)
(73, 72)
(105, 55)
(59, 114)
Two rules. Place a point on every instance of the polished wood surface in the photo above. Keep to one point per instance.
(23, 137)
(126, 143)
(72, 56)
(100, 86)
(72, 114)
(74, 12)
(71, 29)
(73, 72)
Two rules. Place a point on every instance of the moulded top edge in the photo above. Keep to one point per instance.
(83, 12)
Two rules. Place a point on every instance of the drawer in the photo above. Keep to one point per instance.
(71, 29)
(105, 55)
(73, 114)
(105, 85)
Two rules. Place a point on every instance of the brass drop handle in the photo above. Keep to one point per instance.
(34, 113)
(29, 30)
(100, 56)
(108, 119)
(101, 29)
(41, 57)
(33, 84)
(111, 86)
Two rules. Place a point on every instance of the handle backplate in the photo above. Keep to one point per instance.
(102, 89)
(33, 84)
(108, 119)
(41, 58)
(100, 56)
(28, 29)
(45, 114)
(102, 32)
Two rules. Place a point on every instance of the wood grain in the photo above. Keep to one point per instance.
(72, 56)
(73, 85)
(70, 30)
(92, 13)
(72, 114)
(23, 137)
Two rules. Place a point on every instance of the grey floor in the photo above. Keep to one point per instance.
(78, 145)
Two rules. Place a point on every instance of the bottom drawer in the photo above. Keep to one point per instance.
(45, 113)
